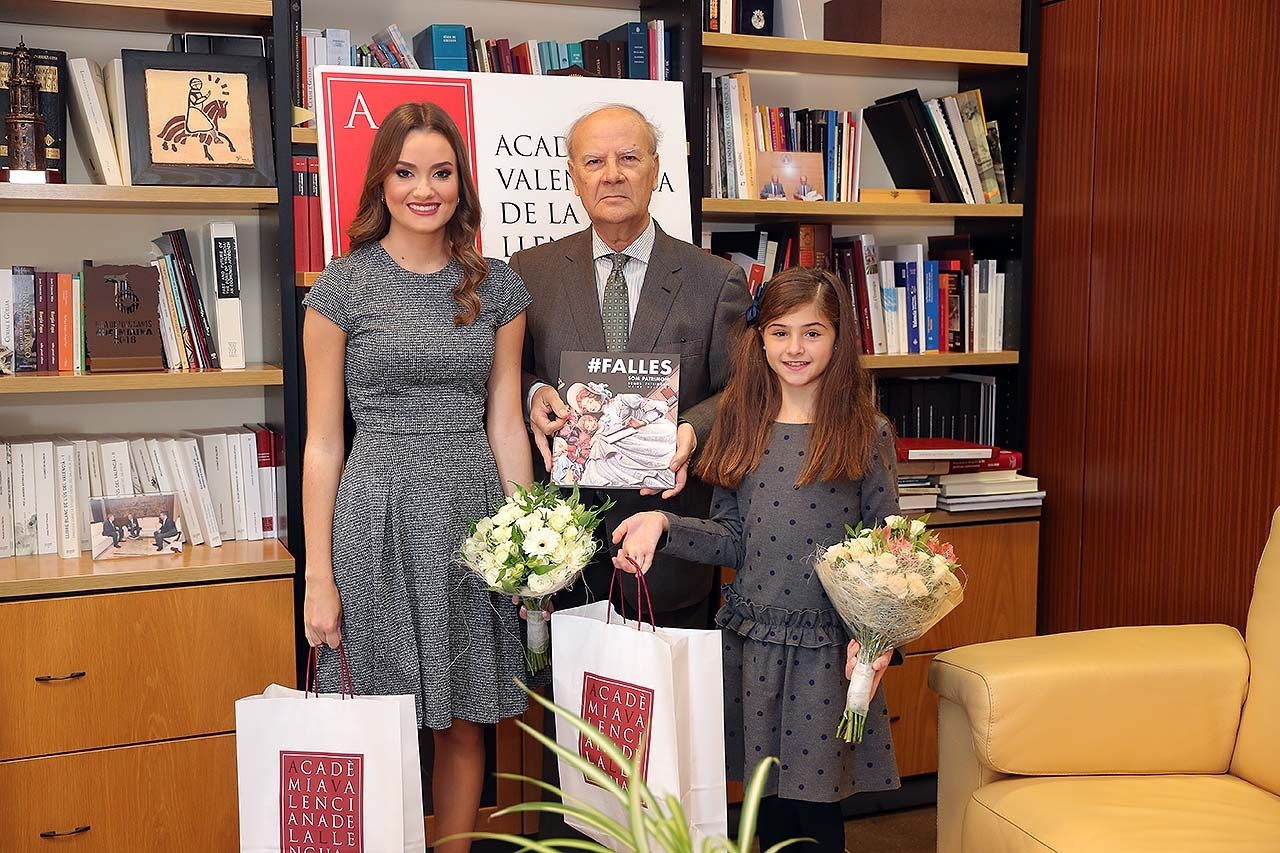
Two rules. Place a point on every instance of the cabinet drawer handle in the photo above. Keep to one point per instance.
(895, 718)
(55, 834)
(47, 678)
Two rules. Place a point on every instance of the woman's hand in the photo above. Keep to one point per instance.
(638, 536)
(880, 664)
(524, 612)
(322, 613)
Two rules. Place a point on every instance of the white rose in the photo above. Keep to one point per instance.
(560, 517)
(540, 584)
(541, 542)
(491, 573)
(892, 521)
(917, 527)
(896, 585)
(504, 516)
(530, 522)
(855, 548)
(940, 566)
(916, 585)
(501, 533)
(887, 561)
(483, 526)
(867, 561)
(502, 552)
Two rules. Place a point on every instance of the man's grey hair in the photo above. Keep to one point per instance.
(655, 135)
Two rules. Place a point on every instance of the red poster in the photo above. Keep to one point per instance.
(321, 802)
(352, 106)
(622, 712)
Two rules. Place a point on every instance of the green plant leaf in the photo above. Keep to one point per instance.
(784, 844)
(586, 768)
(586, 814)
(606, 746)
(751, 803)
(523, 843)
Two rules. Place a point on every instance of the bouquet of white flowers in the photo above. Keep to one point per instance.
(535, 545)
(890, 585)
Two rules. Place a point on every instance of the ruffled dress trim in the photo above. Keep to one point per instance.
(808, 629)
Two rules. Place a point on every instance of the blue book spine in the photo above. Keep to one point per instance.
(666, 55)
(438, 42)
(831, 155)
(932, 321)
(544, 57)
(906, 275)
(575, 54)
(636, 36)
(562, 49)
(390, 54)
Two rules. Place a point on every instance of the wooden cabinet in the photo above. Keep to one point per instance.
(155, 798)
(913, 715)
(104, 670)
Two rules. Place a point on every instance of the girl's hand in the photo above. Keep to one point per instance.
(524, 613)
(638, 536)
(322, 613)
(880, 664)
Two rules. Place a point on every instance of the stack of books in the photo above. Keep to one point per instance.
(960, 476)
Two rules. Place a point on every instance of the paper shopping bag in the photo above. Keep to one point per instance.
(631, 680)
(331, 773)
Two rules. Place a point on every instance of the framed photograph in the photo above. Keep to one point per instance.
(198, 119)
(791, 176)
(135, 526)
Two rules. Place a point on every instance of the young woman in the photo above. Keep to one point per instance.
(423, 337)
(797, 452)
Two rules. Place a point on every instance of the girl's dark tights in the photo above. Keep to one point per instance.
(782, 819)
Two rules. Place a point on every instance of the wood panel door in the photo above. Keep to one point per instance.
(913, 715)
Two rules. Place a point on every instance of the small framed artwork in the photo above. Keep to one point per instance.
(790, 175)
(198, 119)
(135, 526)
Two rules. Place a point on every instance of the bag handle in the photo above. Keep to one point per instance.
(642, 597)
(346, 687)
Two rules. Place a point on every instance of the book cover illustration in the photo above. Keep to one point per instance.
(621, 431)
(122, 317)
(135, 526)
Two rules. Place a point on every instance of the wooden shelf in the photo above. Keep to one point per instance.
(940, 359)
(59, 198)
(746, 210)
(765, 53)
(253, 376)
(49, 574)
(942, 518)
(305, 279)
(156, 16)
(304, 135)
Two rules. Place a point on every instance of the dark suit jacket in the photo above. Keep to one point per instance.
(168, 529)
(692, 303)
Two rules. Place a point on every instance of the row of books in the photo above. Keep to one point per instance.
(223, 484)
(125, 317)
(308, 234)
(910, 298)
(958, 406)
(748, 17)
(960, 476)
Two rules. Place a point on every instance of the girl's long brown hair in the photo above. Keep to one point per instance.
(373, 220)
(844, 424)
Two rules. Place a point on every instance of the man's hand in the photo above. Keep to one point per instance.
(547, 414)
(686, 443)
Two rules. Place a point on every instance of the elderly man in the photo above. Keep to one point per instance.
(659, 295)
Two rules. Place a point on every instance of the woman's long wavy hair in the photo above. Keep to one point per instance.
(373, 220)
(844, 425)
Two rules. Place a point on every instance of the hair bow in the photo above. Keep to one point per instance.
(753, 310)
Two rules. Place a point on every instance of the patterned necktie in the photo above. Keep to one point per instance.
(615, 311)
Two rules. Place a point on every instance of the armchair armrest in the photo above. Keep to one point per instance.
(1161, 699)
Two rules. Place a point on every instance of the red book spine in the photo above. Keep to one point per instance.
(1004, 460)
(301, 217)
(266, 468)
(857, 281)
(504, 57)
(313, 204)
(944, 311)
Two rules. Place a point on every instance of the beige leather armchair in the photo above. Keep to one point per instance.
(1127, 740)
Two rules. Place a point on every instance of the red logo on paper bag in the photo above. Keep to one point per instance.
(321, 802)
(622, 712)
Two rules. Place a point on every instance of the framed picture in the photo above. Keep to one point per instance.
(198, 119)
(135, 526)
(790, 175)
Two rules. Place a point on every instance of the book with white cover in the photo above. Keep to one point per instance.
(81, 447)
(235, 450)
(187, 498)
(23, 483)
(193, 471)
(117, 470)
(113, 83)
(89, 121)
(217, 470)
(46, 497)
(252, 491)
(266, 479)
(169, 482)
(6, 322)
(1017, 484)
(227, 309)
(95, 468)
(977, 477)
(138, 467)
(68, 509)
(6, 500)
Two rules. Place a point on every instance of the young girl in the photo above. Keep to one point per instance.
(423, 337)
(797, 452)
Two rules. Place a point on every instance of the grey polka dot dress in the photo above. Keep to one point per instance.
(413, 621)
(784, 644)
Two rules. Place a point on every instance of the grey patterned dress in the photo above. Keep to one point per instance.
(413, 621)
(784, 644)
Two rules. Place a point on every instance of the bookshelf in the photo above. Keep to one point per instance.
(751, 210)
(304, 136)
(136, 620)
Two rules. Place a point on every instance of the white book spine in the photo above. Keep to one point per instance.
(68, 508)
(6, 322)
(186, 494)
(227, 309)
(267, 486)
(81, 447)
(89, 120)
(117, 475)
(217, 470)
(339, 42)
(138, 468)
(77, 320)
(194, 469)
(252, 493)
(46, 498)
(739, 140)
(999, 303)
(24, 499)
(6, 500)
(238, 510)
(113, 83)
(95, 469)
(870, 261)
